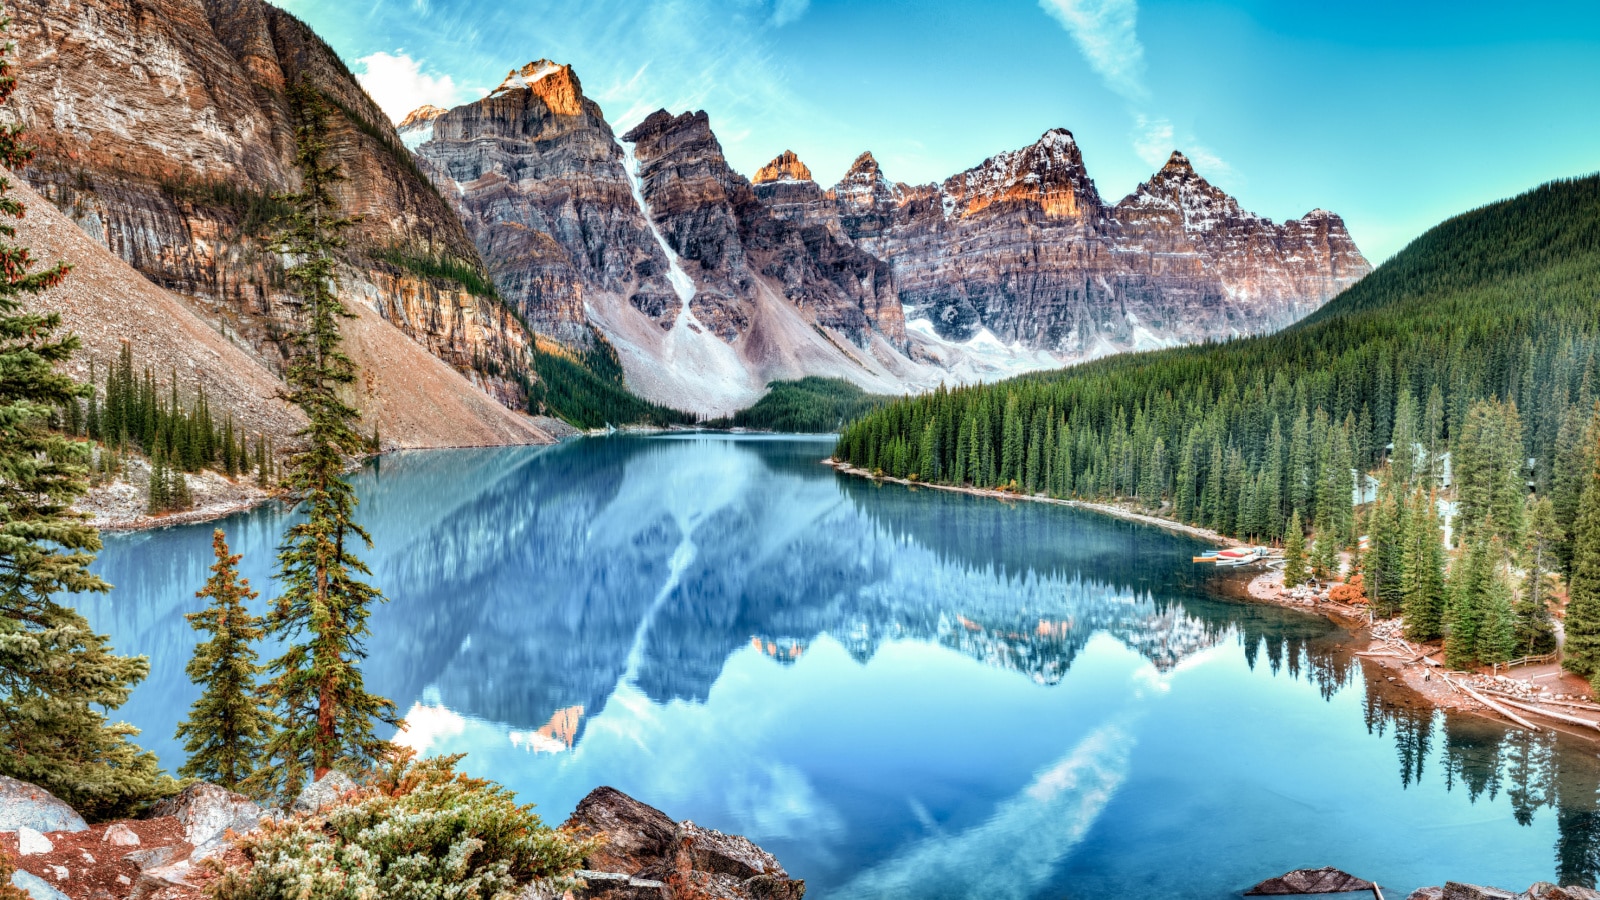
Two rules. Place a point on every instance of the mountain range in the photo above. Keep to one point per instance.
(521, 227)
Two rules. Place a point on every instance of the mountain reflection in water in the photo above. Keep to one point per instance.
(899, 692)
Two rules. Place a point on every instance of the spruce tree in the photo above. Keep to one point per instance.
(1581, 653)
(1294, 553)
(327, 716)
(1324, 552)
(227, 727)
(1423, 592)
(57, 676)
(1534, 628)
(1466, 609)
(1497, 635)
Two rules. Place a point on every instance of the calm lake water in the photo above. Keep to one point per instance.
(900, 693)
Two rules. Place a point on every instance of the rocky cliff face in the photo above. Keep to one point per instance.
(1023, 247)
(656, 244)
(163, 130)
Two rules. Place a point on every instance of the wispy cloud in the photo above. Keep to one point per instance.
(1022, 842)
(399, 85)
(632, 57)
(1107, 33)
(786, 11)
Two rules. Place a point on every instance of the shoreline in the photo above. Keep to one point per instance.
(1537, 698)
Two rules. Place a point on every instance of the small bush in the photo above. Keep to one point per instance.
(1351, 593)
(418, 829)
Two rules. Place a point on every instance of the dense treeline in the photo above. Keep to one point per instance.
(589, 390)
(1475, 347)
(131, 411)
(811, 405)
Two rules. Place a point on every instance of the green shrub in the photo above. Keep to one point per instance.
(418, 829)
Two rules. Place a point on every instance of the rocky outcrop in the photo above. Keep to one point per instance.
(23, 805)
(207, 813)
(1543, 890)
(1024, 247)
(163, 130)
(646, 854)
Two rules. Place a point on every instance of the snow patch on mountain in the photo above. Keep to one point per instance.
(981, 358)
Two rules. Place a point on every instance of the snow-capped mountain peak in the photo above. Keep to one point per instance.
(527, 76)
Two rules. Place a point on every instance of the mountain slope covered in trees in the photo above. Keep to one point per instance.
(1499, 303)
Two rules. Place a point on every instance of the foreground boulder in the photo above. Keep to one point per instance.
(1455, 890)
(207, 813)
(23, 805)
(648, 856)
(37, 888)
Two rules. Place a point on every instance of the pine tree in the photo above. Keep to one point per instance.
(1465, 611)
(157, 501)
(1581, 653)
(227, 727)
(1324, 552)
(1294, 553)
(1423, 591)
(1497, 635)
(1534, 627)
(58, 678)
(328, 717)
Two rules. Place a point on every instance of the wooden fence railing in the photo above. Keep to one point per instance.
(1525, 661)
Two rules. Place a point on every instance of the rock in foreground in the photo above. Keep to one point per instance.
(25, 805)
(1454, 890)
(648, 856)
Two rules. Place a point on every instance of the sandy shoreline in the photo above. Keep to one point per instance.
(1538, 697)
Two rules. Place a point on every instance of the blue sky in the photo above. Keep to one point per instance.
(1394, 114)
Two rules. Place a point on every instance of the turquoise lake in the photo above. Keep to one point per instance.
(900, 693)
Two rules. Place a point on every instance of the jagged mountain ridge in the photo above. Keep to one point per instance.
(655, 244)
(163, 129)
(1015, 264)
(1024, 246)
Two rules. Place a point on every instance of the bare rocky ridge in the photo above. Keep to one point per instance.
(1024, 247)
(163, 128)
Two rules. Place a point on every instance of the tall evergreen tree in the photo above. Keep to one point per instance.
(1581, 653)
(328, 717)
(1466, 609)
(227, 727)
(1294, 553)
(57, 677)
(1534, 627)
(1423, 596)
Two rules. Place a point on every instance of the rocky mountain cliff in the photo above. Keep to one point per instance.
(656, 245)
(163, 131)
(709, 284)
(1024, 247)
(415, 399)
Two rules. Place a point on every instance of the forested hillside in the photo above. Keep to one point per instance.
(1478, 340)
(806, 406)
